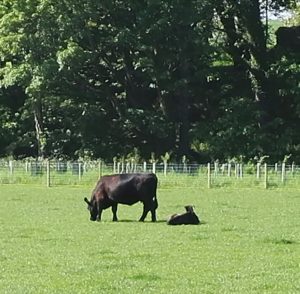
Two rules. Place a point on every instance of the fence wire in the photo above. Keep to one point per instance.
(212, 175)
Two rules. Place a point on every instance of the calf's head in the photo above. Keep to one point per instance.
(92, 207)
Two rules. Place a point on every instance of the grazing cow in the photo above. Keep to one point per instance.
(124, 189)
(187, 218)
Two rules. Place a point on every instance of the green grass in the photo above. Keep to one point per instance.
(249, 242)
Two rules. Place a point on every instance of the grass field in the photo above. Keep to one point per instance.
(249, 242)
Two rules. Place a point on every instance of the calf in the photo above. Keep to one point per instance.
(187, 218)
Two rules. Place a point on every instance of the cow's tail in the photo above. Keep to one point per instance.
(154, 182)
(155, 203)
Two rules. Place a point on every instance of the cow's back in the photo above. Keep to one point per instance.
(129, 188)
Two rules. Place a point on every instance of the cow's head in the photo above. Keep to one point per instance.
(92, 207)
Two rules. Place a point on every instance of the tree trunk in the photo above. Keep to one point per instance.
(183, 112)
(249, 54)
(39, 132)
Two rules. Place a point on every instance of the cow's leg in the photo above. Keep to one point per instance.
(145, 212)
(153, 209)
(153, 215)
(114, 208)
(98, 218)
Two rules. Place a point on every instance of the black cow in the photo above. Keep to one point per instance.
(124, 189)
(187, 218)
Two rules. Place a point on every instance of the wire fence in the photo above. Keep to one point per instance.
(211, 175)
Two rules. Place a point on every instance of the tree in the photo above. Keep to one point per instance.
(28, 60)
(125, 57)
(101, 78)
(246, 40)
(295, 16)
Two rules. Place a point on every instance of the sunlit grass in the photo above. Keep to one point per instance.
(248, 243)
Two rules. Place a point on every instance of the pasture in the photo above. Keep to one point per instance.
(249, 242)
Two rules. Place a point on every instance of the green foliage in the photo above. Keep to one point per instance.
(105, 78)
(295, 18)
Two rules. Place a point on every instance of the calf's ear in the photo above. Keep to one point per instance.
(189, 208)
(86, 200)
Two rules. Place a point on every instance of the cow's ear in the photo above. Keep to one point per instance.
(86, 200)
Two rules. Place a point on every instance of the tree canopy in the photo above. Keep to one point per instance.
(204, 79)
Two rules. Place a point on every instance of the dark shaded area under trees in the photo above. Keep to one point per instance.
(204, 79)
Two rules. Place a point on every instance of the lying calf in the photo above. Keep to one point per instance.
(187, 218)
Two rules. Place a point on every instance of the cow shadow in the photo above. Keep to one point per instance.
(137, 221)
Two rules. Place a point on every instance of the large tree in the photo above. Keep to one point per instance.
(247, 42)
(135, 61)
(102, 77)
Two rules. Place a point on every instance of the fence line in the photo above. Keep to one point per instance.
(53, 173)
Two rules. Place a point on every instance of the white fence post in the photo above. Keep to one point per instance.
(48, 173)
(283, 172)
(229, 169)
(127, 167)
(236, 170)
(208, 176)
(11, 167)
(165, 167)
(79, 171)
(115, 165)
(223, 168)
(258, 170)
(216, 168)
(266, 176)
(154, 167)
